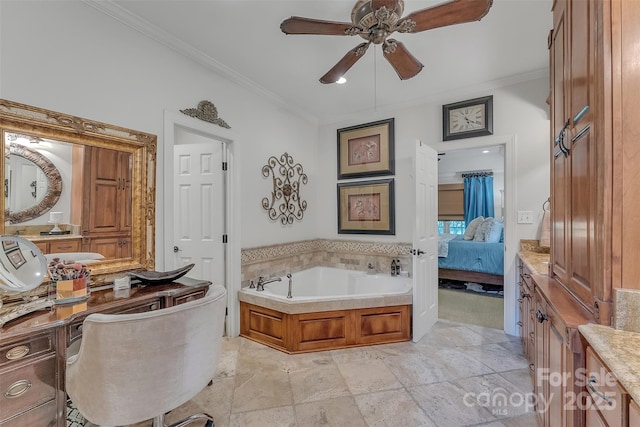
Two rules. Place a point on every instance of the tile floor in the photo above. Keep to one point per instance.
(457, 375)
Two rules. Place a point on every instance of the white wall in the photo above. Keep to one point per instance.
(519, 110)
(69, 57)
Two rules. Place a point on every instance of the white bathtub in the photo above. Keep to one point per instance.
(327, 288)
(326, 283)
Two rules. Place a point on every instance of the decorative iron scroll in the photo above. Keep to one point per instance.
(206, 111)
(287, 179)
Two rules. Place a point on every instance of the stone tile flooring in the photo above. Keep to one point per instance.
(457, 375)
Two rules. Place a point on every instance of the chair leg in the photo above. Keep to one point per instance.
(195, 417)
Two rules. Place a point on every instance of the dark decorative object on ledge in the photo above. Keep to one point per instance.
(287, 179)
(208, 112)
(156, 277)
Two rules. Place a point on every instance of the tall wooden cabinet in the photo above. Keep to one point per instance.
(595, 97)
(106, 210)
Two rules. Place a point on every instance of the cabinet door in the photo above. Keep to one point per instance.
(560, 181)
(114, 247)
(556, 395)
(541, 353)
(582, 157)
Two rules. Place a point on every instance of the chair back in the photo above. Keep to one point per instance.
(133, 367)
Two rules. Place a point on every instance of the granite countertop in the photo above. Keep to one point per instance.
(619, 351)
(536, 258)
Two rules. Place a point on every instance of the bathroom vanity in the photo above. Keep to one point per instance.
(33, 349)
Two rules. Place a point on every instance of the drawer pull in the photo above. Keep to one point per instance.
(17, 389)
(17, 352)
(592, 387)
(519, 323)
(153, 306)
(532, 334)
(532, 367)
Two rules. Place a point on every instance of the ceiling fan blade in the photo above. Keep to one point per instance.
(298, 25)
(453, 12)
(345, 63)
(405, 64)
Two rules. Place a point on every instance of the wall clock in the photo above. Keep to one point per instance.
(467, 119)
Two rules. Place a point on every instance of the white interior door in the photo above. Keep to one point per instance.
(425, 241)
(198, 207)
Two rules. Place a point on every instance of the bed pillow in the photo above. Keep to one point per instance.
(472, 227)
(495, 233)
(483, 230)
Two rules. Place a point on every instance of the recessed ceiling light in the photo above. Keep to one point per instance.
(341, 80)
(485, 151)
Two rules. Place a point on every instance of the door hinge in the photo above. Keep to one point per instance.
(224, 238)
(224, 166)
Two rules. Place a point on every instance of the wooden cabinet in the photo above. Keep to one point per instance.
(554, 349)
(106, 216)
(28, 380)
(526, 323)
(594, 192)
(54, 246)
(608, 399)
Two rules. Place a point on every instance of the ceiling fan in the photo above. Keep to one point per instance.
(375, 20)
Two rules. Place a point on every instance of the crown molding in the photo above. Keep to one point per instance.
(157, 34)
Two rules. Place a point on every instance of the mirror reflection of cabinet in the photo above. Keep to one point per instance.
(105, 199)
(115, 218)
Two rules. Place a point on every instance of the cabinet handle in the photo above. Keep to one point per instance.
(17, 389)
(581, 133)
(17, 352)
(532, 367)
(519, 323)
(592, 387)
(541, 317)
(532, 334)
(581, 113)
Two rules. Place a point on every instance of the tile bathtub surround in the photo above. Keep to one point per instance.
(278, 260)
(442, 380)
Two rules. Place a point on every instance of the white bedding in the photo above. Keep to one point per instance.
(443, 244)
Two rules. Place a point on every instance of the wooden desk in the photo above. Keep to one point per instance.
(33, 349)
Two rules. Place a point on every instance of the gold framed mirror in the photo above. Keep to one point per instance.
(111, 201)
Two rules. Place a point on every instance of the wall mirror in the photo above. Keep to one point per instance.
(32, 183)
(96, 179)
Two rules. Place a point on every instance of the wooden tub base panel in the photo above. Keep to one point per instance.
(325, 330)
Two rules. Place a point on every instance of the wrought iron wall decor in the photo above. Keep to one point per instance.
(285, 202)
(206, 111)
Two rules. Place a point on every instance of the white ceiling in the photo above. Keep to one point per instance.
(241, 40)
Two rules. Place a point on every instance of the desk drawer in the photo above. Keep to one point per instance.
(27, 386)
(25, 349)
(43, 415)
(190, 297)
(607, 395)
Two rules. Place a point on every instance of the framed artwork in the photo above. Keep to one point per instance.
(467, 119)
(16, 259)
(366, 207)
(366, 150)
(9, 245)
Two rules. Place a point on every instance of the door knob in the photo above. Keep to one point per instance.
(176, 249)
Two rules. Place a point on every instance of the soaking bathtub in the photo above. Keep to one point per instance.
(330, 308)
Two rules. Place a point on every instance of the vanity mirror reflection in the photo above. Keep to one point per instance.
(95, 179)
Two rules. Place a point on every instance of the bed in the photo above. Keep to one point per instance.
(470, 261)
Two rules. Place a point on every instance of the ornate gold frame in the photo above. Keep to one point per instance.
(39, 122)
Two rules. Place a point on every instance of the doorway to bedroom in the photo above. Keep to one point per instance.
(471, 212)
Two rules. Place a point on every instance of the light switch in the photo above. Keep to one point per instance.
(525, 217)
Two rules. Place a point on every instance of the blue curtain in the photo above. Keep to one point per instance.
(478, 197)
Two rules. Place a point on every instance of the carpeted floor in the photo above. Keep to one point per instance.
(468, 307)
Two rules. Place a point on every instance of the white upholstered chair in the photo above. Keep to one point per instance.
(136, 367)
